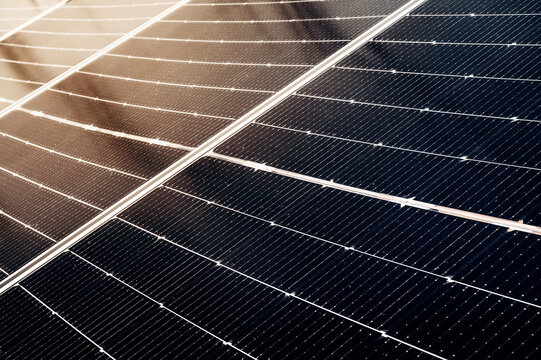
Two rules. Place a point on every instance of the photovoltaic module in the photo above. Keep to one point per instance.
(256, 179)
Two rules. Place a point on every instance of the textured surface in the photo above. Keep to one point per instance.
(101, 132)
(300, 236)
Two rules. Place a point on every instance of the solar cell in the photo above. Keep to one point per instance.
(41, 327)
(42, 48)
(444, 134)
(119, 122)
(233, 182)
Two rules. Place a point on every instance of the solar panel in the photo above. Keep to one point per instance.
(272, 179)
(55, 36)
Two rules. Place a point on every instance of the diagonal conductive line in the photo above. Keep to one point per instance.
(202, 150)
(91, 58)
(32, 20)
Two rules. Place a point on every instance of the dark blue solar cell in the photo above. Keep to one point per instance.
(256, 318)
(118, 318)
(513, 62)
(40, 333)
(492, 189)
(522, 30)
(367, 289)
(500, 98)
(348, 221)
(445, 245)
(478, 7)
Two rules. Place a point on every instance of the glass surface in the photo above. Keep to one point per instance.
(388, 208)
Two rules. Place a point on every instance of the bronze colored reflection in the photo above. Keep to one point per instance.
(46, 48)
(184, 101)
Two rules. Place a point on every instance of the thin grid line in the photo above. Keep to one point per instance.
(166, 83)
(242, 41)
(358, 102)
(453, 43)
(506, 223)
(474, 15)
(91, 6)
(60, 19)
(33, 63)
(248, 3)
(336, 18)
(163, 306)
(292, 295)
(91, 58)
(68, 33)
(259, 167)
(47, 47)
(101, 349)
(228, 63)
(468, 76)
(20, 81)
(176, 21)
(204, 148)
(142, 106)
(32, 20)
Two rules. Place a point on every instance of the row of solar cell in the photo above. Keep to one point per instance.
(190, 130)
(19, 52)
(445, 245)
(406, 303)
(126, 318)
(97, 25)
(64, 41)
(486, 188)
(50, 336)
(480, 138)
(478, 7)
(287, 10)
(98, 11)
(258, 77)
(514, 62)
(345, 29)
(487, 97)
(216, 102)
(476, 29)
(28, 72)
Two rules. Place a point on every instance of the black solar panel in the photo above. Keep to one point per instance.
(271, 179)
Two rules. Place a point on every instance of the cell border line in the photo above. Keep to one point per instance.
(91, 58)
(32, 20)
(203, 149)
